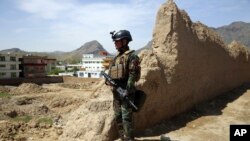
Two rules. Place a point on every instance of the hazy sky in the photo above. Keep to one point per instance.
(65, 25)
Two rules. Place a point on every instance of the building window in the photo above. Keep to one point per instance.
(2, 74)
(12, 58)
(2, 58)
(2, 66)
(13, 75)
(13, 67)
(81, 74)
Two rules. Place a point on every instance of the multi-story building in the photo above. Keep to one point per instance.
(33, 66)
(92, 66)
(9, 66)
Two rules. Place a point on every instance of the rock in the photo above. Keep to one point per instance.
(11, 113)
(59, 131)
(43, 109)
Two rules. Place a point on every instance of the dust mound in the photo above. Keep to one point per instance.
(27, 88)
(92, 120)
(4, 89)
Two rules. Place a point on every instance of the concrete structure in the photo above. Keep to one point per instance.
(33, 66)
(9, 66)
(92, 66)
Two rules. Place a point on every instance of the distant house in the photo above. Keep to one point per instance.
(33, 66)
(92, 65)
(66, 74)
(9, 66)
(61, 67)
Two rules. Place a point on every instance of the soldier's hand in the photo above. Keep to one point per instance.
(107, 83)
(124, 95)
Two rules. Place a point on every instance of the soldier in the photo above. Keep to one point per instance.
(125, 70)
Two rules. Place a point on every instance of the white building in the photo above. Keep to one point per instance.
(9, 66)
(66, 74)
(91, 66)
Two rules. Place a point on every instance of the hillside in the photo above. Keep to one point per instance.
(14, 50)
(239, 31)
(92, 47)
(148, 46)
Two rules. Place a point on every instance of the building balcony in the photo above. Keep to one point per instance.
(8, 70)
(9, 62)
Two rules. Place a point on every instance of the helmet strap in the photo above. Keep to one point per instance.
(124, 46)
(123, 49)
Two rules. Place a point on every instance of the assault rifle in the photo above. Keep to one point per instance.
(120, 90)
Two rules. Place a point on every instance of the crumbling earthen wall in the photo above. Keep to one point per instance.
(189, 64)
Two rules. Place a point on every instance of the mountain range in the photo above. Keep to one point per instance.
(239, 31)
(75, 56)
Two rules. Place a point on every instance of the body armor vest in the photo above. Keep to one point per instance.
(119, 67)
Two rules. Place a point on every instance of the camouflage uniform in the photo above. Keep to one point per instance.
(123, 110)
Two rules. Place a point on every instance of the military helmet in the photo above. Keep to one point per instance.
(121, 35)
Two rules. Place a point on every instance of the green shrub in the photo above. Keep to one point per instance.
(2, 95)
(45, 120)
(55, 71)
(25, 119)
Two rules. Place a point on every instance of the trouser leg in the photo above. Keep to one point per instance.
(118, 118)
(127, 120)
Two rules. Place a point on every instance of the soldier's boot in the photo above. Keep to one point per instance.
(165, 138)
(129, 139)
(121, 135)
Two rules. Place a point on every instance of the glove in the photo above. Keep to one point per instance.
(122, 93)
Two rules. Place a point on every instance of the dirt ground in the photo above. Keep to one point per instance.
(208, 121)
(33, 112)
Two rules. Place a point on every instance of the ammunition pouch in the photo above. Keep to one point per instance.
(117, 72)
